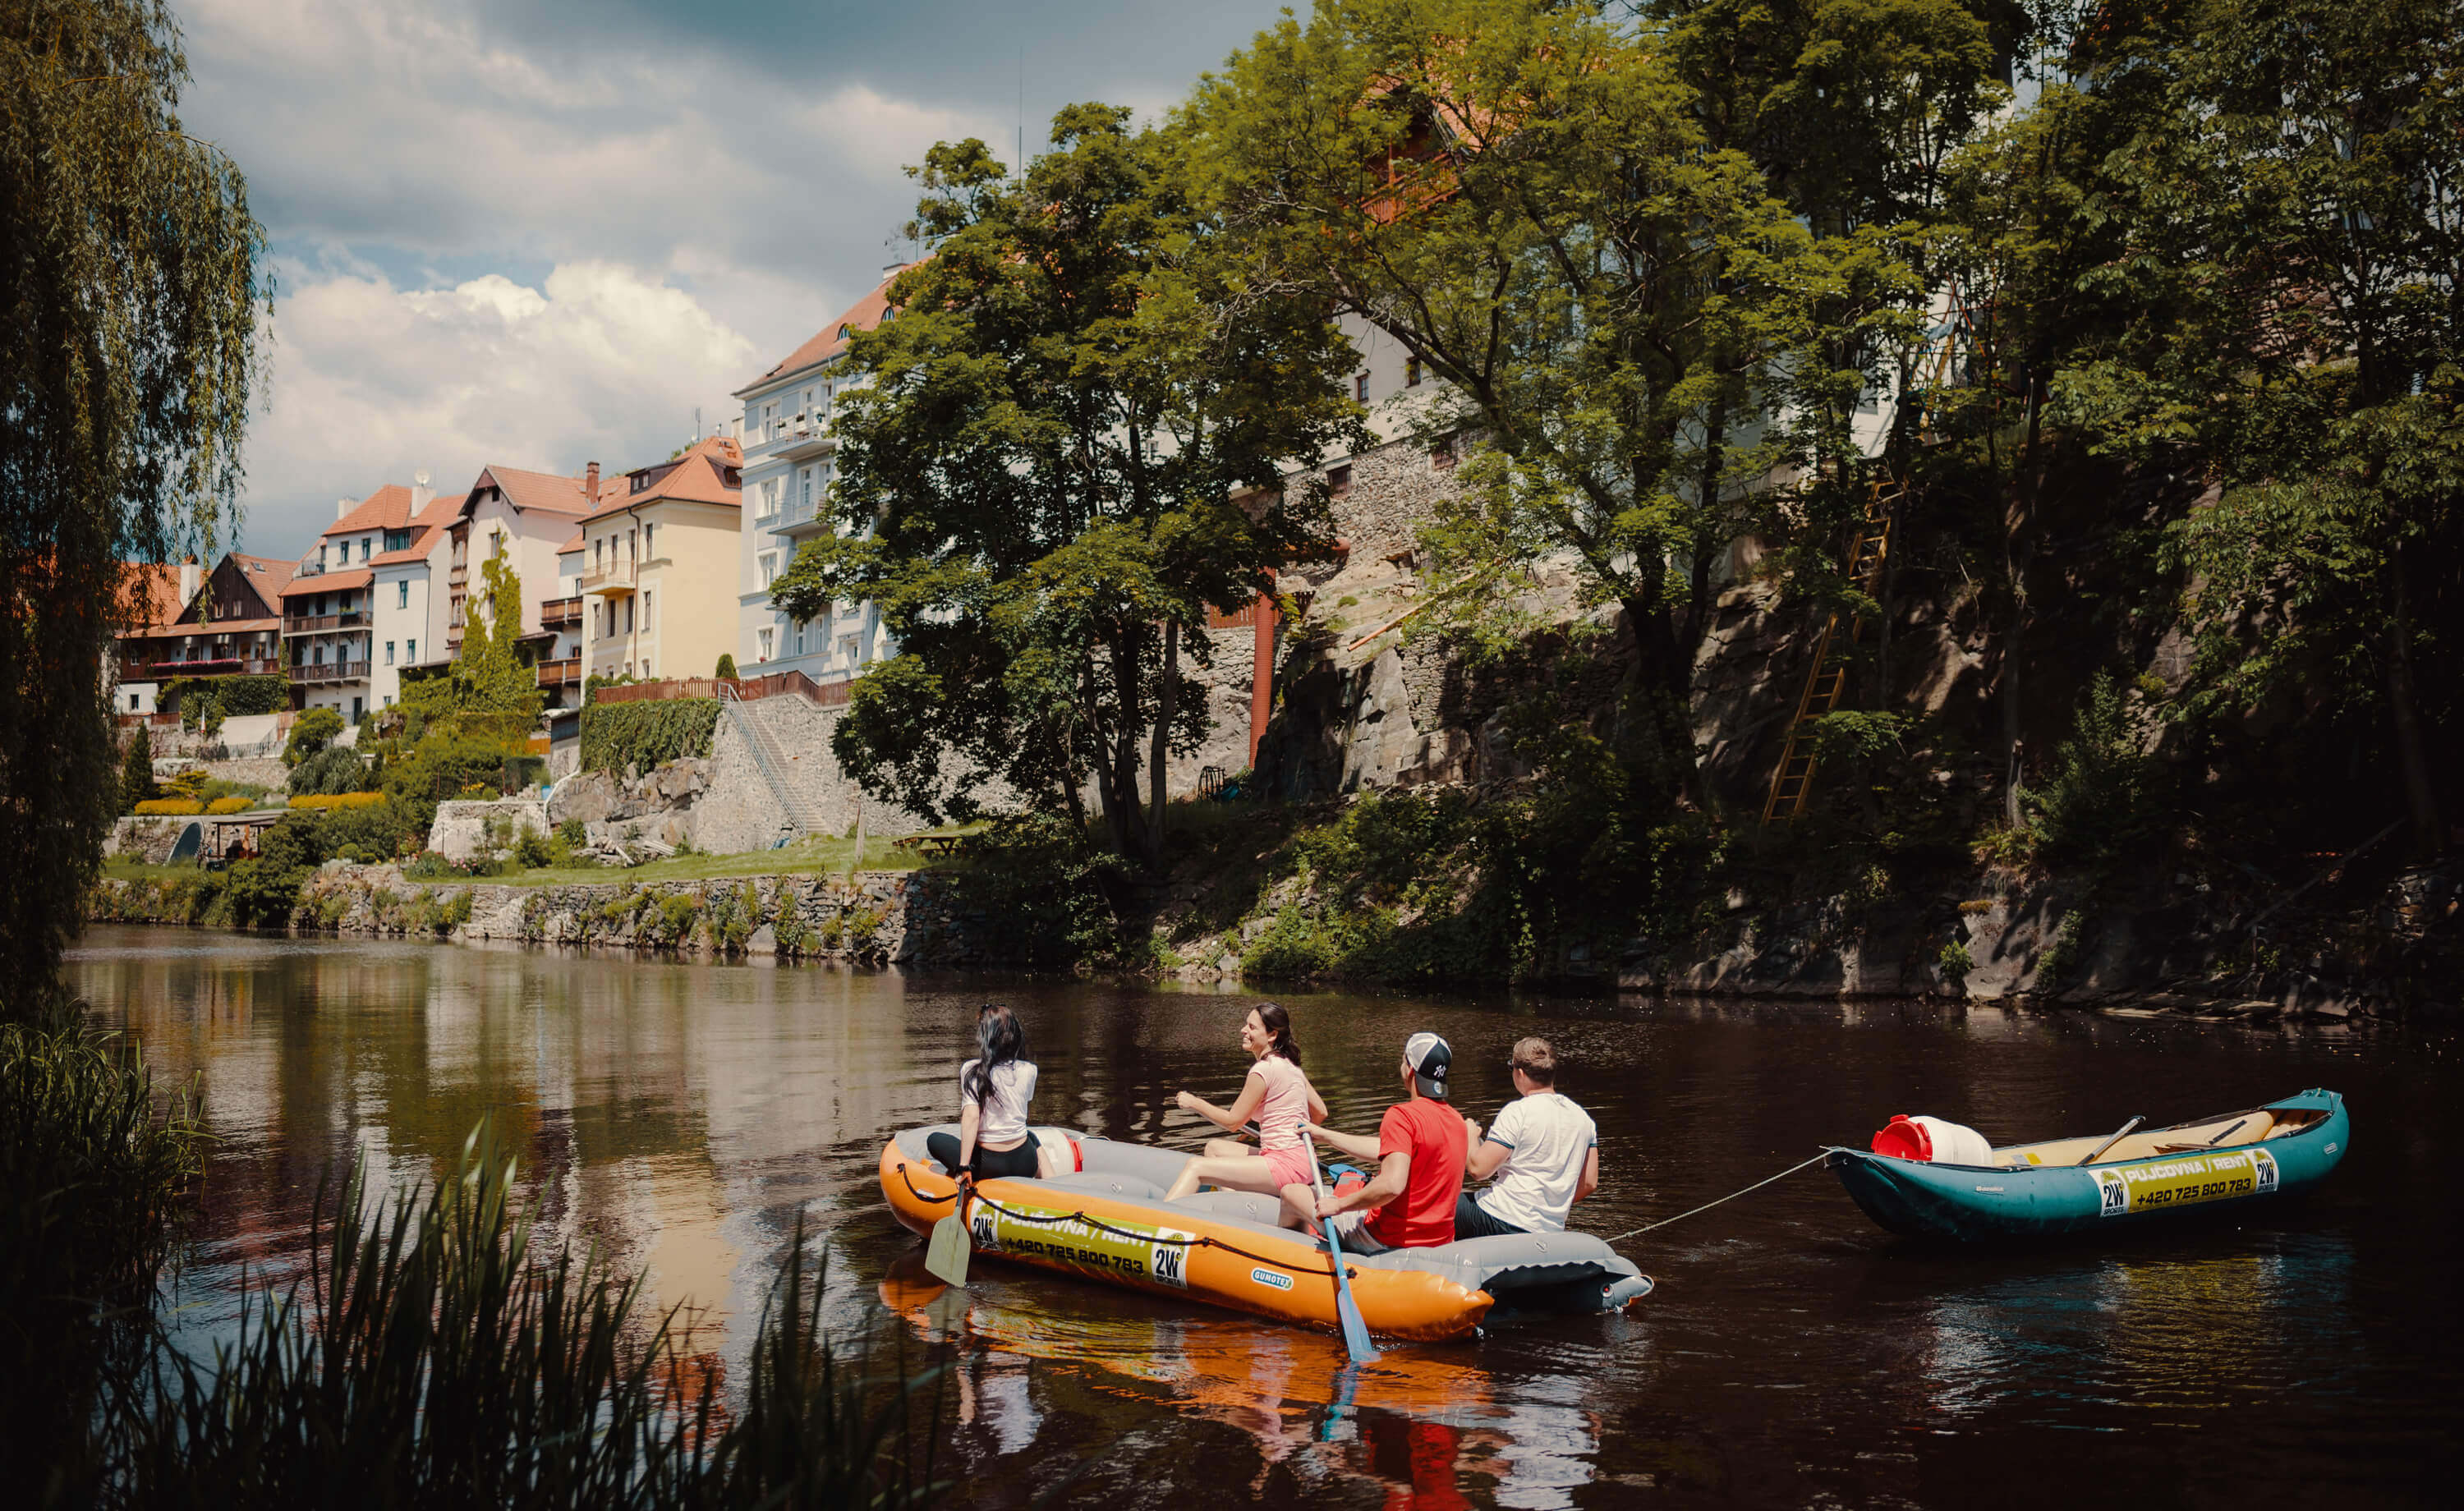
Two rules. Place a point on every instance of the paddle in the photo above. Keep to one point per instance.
(1347, 1311)
(2229, 1133)
(945, 1257)
(2119, 1135)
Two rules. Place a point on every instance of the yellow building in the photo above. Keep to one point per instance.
(658, 567)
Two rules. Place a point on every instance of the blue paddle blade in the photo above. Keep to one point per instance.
(1347, 1311)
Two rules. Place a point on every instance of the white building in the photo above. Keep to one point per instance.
(529, 517)
(788, 459)
(406, 625)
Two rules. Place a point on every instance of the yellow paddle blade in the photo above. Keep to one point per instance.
(945, 1257)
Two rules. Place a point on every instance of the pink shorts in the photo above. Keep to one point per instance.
(1289, 1165)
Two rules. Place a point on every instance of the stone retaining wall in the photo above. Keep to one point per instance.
(873, 917)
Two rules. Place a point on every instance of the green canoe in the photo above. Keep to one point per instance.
(2034, 1191)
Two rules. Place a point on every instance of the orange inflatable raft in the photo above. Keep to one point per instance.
(1104, 1217)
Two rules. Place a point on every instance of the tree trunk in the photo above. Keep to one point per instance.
(1161, 747)
(2420, 798)
(2015, 569)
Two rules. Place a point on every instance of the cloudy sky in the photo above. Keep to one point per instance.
(543, 231)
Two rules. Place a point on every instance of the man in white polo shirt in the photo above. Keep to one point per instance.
(1543, 1150)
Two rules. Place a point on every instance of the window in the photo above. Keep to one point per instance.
(769, 498)
(364, 547)
(633, 544)
(769, 421)
(132, 703)
(762, 639)
(649, 620)
(646, 540)
(388, 702)
(800, 637)
(1338, 479)
(808, 405)
(388, 652)
(1442, 455)
(1411, 372)
(599, 553)
(1360, 387)
(628, 616)
(804, 504)
(411, 651)
(397, 540)
(402, 594)
(768, 561)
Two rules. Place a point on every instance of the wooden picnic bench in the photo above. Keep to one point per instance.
(932, 844)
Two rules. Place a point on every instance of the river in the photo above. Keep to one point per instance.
(687, 1113)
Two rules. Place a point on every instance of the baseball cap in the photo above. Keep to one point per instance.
(1430, 1059)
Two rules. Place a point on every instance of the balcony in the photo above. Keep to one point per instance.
(198, 667)
(460, 575)
(560, 613)
(312, 624)
(331, 672)
(564, 673)
(803, 524)
(614, 579)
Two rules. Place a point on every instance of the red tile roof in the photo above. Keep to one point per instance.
(699, 476)
(831, 339)
(389, 508)
(560, 495)
(329, 582)
(154, 593)
(430, 522)
(268, 575)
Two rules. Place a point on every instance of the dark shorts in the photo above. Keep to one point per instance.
(991, 1163)
(1473, 1222)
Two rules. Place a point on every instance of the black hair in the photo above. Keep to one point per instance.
(1279, 1023)
(1000, 1039)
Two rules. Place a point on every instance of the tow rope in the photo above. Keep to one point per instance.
(1709, 1204)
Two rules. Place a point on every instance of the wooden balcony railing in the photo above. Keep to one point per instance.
(560, 613)
(564, 673)
(311, 623)
(331, 672)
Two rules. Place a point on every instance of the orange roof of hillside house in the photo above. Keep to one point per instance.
(428, 522)
(832, 339)
(389, 508)
(580, 538)
(707, 473)
(547, 491)
(268, 575)
(153, 595)
(330, 582)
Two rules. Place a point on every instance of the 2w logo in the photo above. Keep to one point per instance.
(981, 1225)
(1169, 1263)
(2263, 1166)
(2117, 1196)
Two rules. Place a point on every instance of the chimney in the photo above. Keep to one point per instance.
(188, 580)
(421, 494)
(343, 506)
(590, 483)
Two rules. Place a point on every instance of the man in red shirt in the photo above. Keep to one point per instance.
(1410, 1203)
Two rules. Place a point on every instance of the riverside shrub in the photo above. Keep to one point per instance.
(324, 802)
(638, 737)
(176, 806)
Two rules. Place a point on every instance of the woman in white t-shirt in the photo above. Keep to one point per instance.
(1279, 1096)
(995, 1090)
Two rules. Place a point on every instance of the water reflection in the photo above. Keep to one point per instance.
(688, 1117)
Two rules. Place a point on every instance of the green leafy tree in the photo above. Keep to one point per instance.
(489, 674)
(1072, 442)
(1636, 332)
(129, 271)
(2290, 323)
(311, 733)
(137, 771)
(726, 666)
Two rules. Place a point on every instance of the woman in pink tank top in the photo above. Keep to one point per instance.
(1279, 1096)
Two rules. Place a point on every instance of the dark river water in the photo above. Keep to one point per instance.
(1794, 1354)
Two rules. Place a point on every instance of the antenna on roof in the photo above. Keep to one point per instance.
(697, 421)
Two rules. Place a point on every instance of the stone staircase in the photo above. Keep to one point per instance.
(798, 815)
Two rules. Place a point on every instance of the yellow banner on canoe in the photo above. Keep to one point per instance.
(1130, 1251)
(2160, 1185)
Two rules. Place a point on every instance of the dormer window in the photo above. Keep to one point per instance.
(641, 480)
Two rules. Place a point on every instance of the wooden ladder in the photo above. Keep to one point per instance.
(1793, 782)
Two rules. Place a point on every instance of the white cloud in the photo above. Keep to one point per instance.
(882, 137)
(370, 382)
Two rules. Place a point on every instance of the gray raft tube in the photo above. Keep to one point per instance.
(1526, 1272)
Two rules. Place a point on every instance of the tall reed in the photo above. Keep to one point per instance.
(94, 1171)
(430, 1357)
